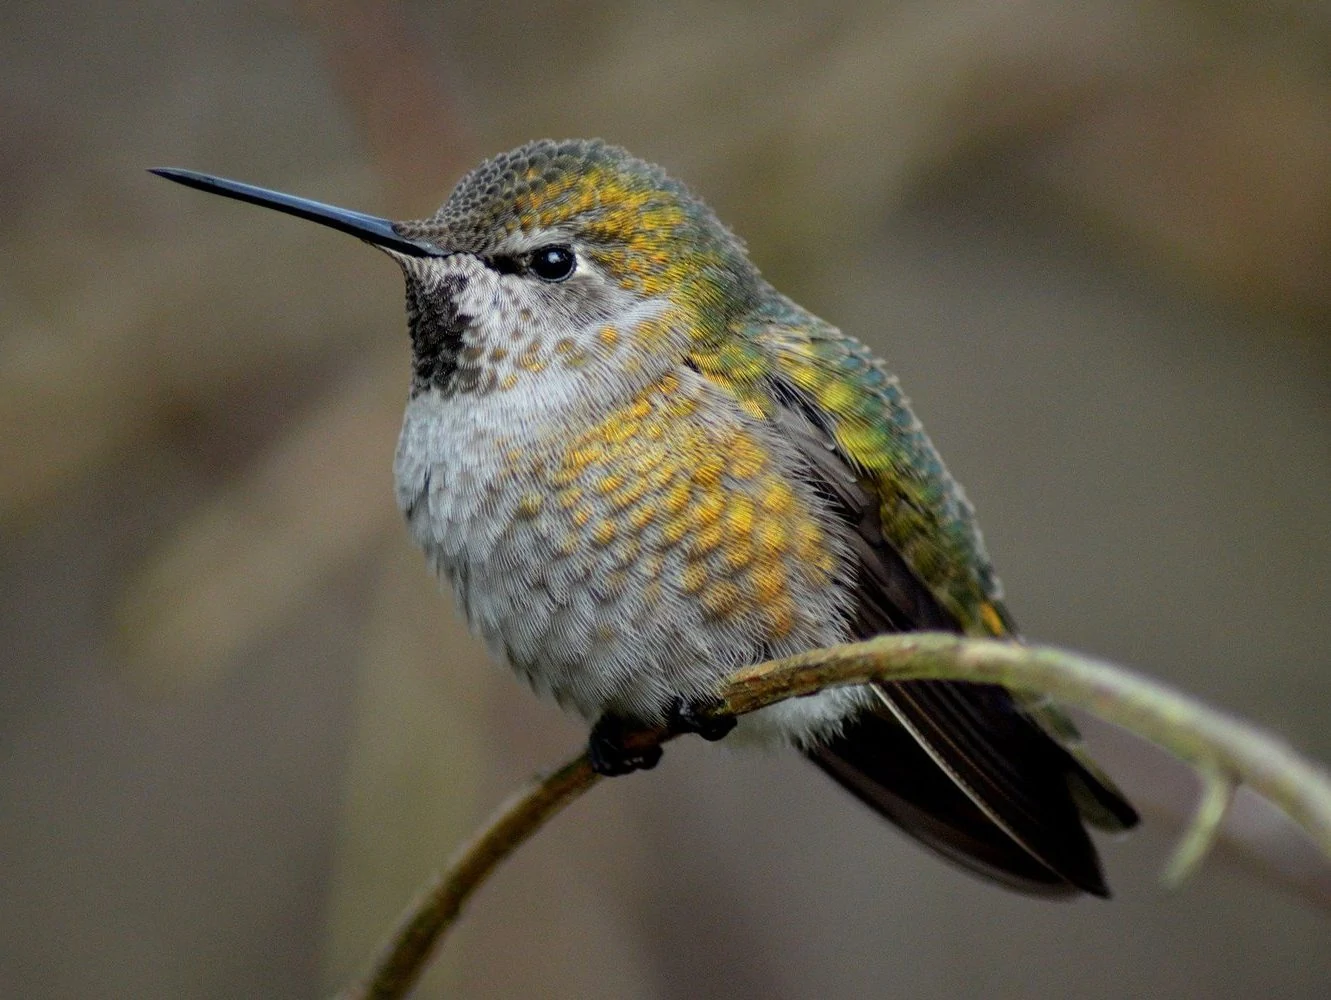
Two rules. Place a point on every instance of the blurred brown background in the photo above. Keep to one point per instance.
(238, 724)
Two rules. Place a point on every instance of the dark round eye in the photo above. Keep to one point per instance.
(553, 263)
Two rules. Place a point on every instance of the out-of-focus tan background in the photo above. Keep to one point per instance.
(238, 724)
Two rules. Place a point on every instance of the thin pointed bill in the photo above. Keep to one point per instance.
(370, 228)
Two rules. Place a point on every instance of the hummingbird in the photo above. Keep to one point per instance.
(641, 467)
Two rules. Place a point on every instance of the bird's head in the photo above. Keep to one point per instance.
(556, 266)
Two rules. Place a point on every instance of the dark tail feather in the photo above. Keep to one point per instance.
(960, 768)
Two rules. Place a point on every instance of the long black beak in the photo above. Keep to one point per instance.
(370, 228)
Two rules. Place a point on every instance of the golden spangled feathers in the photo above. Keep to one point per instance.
(654, 475)
(634, 227)
(644, 229)
(924, 515)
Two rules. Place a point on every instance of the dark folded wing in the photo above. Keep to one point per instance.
(959, 766)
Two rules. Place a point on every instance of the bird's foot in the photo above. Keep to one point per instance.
(702, 716)
(618, 746)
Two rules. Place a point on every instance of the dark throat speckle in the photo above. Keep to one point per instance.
(436, 328)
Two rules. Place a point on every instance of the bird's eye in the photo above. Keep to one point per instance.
(554, 263)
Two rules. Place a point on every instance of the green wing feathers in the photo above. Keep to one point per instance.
(995, 786)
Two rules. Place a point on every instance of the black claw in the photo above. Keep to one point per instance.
(701, 716)
(611, 751)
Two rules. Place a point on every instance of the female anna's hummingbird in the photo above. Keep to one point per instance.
(641, 467)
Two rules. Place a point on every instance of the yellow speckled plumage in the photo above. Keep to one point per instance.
(708, 490)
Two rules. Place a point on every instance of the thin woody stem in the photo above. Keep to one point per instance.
(1227, 751)
(435, 909)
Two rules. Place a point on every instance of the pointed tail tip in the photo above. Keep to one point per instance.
(1096, 887)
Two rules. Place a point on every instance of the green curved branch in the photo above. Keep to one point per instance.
(435, 909)
(1226, 751)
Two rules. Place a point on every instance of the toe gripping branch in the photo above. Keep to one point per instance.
(619, 745)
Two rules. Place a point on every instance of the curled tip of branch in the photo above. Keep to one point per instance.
(1218, 789)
